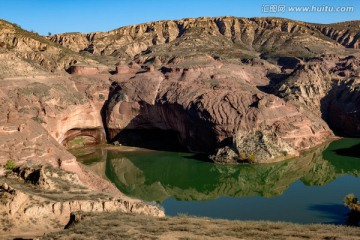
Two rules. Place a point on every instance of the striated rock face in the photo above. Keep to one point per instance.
(346, 33)
(200, 84)
(255, 147)
(209, 83)
(250, 32)
(329, 87)
(31, 54)
(59, 105)
(48, 197)
(207, 105)
(343, 106)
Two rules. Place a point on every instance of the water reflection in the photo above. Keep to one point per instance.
(157, 176)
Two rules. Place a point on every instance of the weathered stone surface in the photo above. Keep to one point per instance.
(253, 32)
(203, 81)
(256, 147)
(204, 110)
(46, 202)
(41, 55)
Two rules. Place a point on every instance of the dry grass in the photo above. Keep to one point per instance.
(130, 226)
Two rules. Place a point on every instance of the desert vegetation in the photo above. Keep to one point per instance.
(131, 226)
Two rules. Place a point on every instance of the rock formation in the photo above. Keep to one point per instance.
(245, 76)
(253, 32)
(41, 199)
(203, 84)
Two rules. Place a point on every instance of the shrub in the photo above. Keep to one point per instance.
(251, 157)
(78, 141)
(242, 155)
(350, 199)
(10, 165)
(247, 157)
(101, 97)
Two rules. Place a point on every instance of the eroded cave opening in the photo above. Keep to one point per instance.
(78, 137)
(151, 138)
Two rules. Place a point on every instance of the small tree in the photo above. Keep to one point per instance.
(350, 199)
(352, 202)
(10, 165)
(251, 157)
(49, 34)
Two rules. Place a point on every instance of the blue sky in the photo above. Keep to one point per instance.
(45, 16)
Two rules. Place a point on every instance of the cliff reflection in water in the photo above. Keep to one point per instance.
(156, 176)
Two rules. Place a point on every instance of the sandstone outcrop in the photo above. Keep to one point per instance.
(201, 83)
(38, 53)
(250, 32)
(247, 75)
(48, 110)
(41, 199)
(205, 112)
(255, 147)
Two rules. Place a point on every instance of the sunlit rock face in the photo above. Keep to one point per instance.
(198, 104)
(49, 198)
(229, 87)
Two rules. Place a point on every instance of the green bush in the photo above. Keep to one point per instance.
(251, 157)
(76, 142)
(10, 165)
(350, 199)
(101, 97)
(242, 155)
(247, 157)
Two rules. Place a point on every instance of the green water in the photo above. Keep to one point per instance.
(308, 189)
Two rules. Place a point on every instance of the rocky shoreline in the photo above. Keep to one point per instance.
(41, 199)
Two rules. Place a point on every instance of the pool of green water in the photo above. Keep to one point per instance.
(307, 189)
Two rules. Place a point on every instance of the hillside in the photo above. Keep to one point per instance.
(26, 53)
(272, 77)
(279, 36)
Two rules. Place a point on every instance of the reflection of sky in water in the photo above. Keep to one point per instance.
(305, 190)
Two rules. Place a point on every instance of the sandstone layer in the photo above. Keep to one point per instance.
(257, 89)
(41, 199)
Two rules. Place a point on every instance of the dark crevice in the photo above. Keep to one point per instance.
(153, 138)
